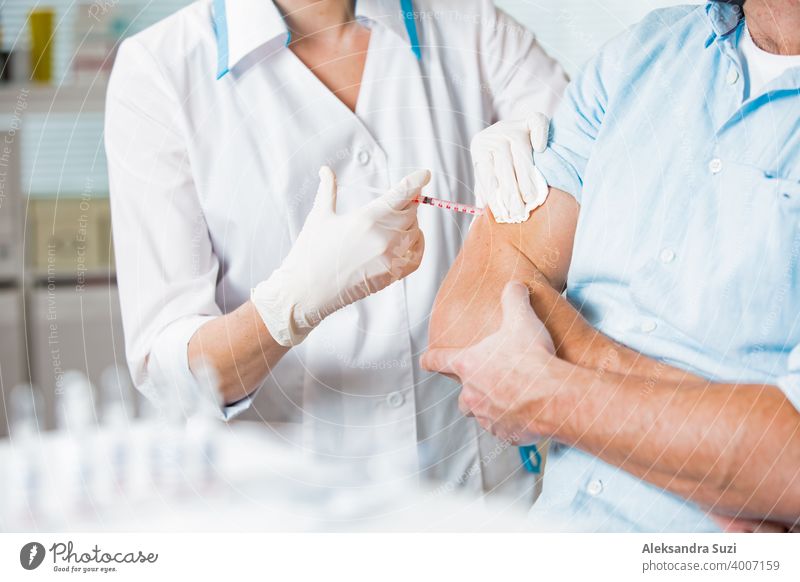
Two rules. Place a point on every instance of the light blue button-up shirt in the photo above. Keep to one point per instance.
(688, 242)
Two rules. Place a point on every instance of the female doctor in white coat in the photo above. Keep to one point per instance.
(236, 252)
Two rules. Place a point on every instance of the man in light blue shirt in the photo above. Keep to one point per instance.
(669, 377)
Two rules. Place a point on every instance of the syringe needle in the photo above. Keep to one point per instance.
(426, 200)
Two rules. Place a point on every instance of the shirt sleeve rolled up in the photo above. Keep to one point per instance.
(579, 120)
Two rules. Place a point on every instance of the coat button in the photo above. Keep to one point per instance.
(667, 256)
(733, 76)
(363, 157)
(649, 326)
(715, 166)
(395, 399)
(595, 488)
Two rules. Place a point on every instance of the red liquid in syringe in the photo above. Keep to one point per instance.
(448, 205)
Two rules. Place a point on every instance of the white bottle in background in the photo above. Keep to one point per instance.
(115, 444)
(22, 498)
(77, 419)
(168, 447)
(203, 431)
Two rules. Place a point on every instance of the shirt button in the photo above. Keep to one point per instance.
(667, 256)
(395, 399)
(715, 166)
(649, 326)
(363, 157)
(733, 76)
(595, 488)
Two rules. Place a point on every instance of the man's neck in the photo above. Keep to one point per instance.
(316, 19)
(774, 25)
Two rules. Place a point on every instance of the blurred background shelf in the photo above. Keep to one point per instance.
(69, 98)
(41, 278)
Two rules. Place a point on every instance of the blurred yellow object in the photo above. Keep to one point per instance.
(41, 23)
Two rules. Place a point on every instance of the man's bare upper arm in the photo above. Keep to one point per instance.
(546, 239)
(467, 306)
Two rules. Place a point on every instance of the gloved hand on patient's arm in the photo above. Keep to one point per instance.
(507, 180)
(341, 258)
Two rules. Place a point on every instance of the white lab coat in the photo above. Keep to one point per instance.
(211, 181)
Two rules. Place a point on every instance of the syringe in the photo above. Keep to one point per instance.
(448, 205)
(427, 200)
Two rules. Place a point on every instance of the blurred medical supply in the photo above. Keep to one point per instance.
(41, 55)
(64, 42)
(5, 55)
(192, 472)
(117, 409)
(116, 389)
(99, 28)
(76, 415)
(24, 466)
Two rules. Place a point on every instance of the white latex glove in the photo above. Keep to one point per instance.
(507, 179)
(341, 258)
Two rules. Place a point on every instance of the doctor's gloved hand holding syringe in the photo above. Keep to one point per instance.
(337, 259)
(341, 258)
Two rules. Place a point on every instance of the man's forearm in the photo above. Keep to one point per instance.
(581, 344)
(611, 363)
(731, 448)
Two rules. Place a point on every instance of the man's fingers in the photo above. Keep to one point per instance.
(442, 361)
(485, 423)
(463, 406)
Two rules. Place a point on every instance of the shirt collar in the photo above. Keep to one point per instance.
(724, 15)
(241, 26)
